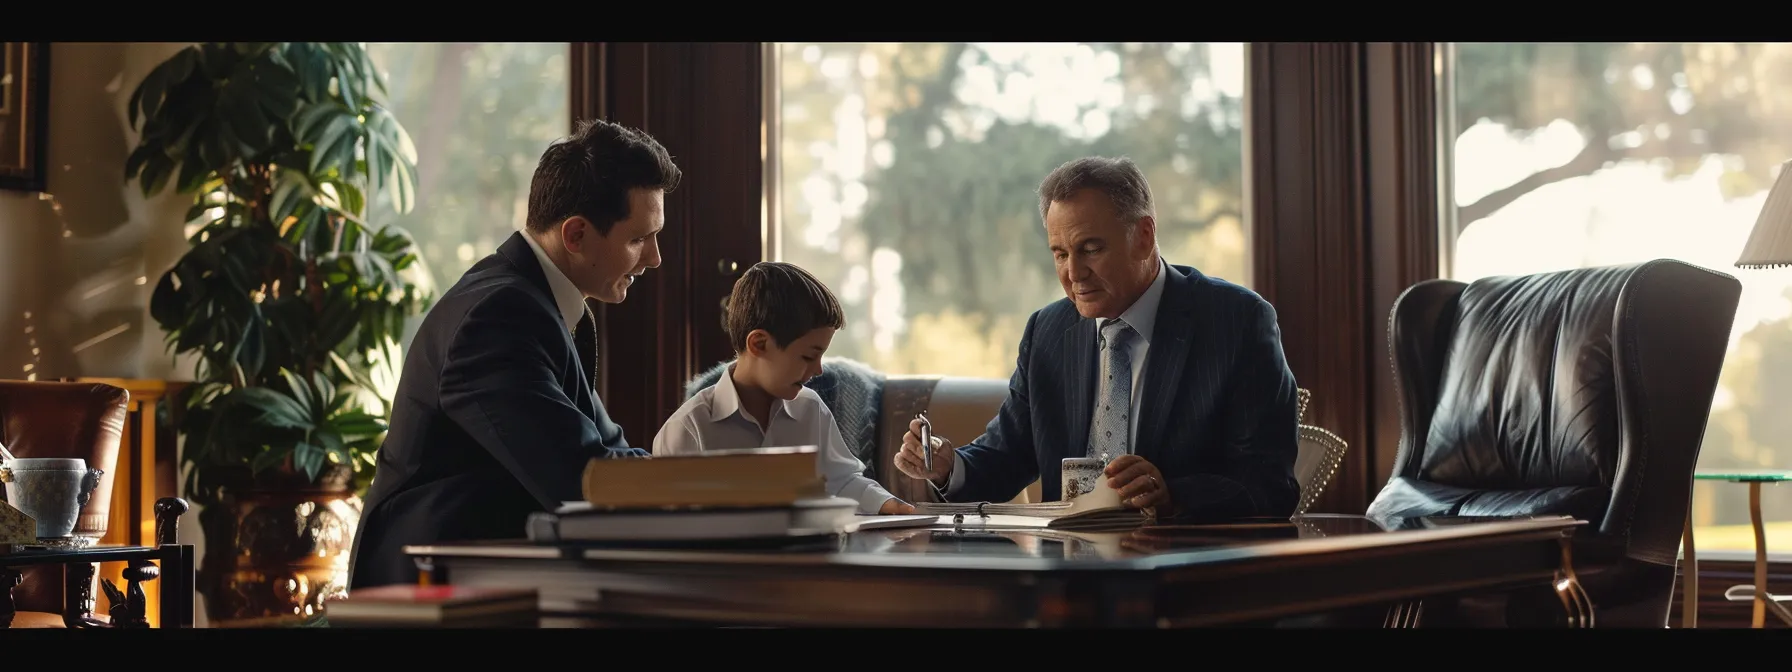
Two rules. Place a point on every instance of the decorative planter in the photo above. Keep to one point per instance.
(279, 547)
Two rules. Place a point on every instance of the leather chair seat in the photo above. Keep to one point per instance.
(1406, 497)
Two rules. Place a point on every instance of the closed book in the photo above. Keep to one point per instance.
(741, 477)
(440, 606)
(580, 522)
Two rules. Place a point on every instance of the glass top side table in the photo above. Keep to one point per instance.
(1764, 600)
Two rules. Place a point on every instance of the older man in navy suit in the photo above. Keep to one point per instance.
(1177, 377)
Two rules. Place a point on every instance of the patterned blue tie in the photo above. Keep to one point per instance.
(1109, 432)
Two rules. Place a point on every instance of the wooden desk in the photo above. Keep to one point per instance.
(1170, 576)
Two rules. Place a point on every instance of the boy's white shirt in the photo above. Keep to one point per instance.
(713, 419)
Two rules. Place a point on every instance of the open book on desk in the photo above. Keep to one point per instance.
(1099, 509)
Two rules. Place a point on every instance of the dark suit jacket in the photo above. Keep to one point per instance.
(495, 417)
(1217, 418)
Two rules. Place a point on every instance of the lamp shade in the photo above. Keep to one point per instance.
(1770, 244)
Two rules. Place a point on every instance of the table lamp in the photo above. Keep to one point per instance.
(1770, 244)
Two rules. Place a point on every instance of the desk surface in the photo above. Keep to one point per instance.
(969, 547)
(1163, 575)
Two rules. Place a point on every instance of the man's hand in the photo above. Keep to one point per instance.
(1140, 484)
(909, 459)
(894, 506)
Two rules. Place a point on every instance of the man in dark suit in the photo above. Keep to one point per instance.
(496, 413)
(1176, 377)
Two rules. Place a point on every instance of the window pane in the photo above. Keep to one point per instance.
(480, 114)
(908, 178)
(1576, 155)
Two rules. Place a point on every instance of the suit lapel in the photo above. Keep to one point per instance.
(1171, 341)
(1079, 377)
(583, 340)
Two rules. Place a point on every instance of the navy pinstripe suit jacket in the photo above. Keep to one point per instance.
(1217, 418)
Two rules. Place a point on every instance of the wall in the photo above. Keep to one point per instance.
(77, 262)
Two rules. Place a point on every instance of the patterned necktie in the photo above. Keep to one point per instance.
(588, 344)
(1109, 433)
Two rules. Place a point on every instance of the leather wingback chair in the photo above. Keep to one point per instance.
(1582, 392)
(62, 419)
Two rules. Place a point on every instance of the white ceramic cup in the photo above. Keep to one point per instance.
(1079, 476)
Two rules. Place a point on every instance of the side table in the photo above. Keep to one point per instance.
(1764, 600)
(172, 562)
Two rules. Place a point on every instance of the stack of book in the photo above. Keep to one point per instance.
(754, 495)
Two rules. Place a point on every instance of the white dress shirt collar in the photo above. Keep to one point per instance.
(566, 295)
(1142, 314)
(726, 401)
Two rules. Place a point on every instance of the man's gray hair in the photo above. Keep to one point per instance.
(1119, 178)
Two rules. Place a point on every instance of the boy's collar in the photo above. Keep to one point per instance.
(726, 400)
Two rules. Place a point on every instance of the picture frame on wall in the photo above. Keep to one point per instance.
(24, 114)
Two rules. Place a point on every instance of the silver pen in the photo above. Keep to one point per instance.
(926, 442)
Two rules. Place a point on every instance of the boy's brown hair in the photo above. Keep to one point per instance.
(784, 300)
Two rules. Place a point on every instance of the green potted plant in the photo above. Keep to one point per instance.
(291, 298)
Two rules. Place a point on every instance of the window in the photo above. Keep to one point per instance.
(480, 115)
(906, 178)
(1576, 155)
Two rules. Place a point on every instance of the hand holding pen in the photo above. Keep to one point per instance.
(933, 465)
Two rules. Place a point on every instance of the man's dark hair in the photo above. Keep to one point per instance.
(1119, 178)
(784, 300)
(590, 173)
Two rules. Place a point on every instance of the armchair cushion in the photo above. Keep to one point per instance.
(1411, 498)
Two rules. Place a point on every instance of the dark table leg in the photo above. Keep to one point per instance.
(77, 595)
(9, 578)
(177, 586)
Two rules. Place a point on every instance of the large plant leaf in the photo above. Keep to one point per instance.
(274, 409)
(391, 159)
(331, 130)
(308, 458)
(147, 99)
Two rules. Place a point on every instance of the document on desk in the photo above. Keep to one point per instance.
(1084, 512)
(865, 521)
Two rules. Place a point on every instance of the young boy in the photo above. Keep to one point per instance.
(781, 320)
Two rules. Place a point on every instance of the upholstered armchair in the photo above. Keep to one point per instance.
(1583, 393)
(57, 419)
